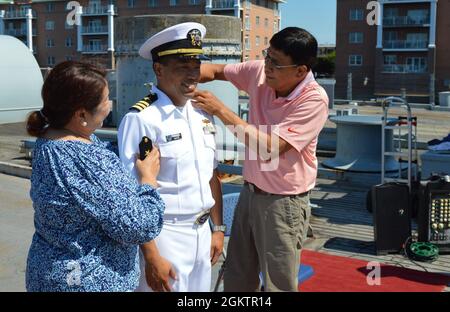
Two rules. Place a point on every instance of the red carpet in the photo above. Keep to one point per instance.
(341, 274)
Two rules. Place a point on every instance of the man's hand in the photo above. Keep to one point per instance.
(158, 273)
(216, 246)
(208, 102)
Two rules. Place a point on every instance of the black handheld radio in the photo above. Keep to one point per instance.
(145, 147)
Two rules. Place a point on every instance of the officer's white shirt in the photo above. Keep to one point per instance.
(187, 152)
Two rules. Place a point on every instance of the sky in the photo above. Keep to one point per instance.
(316, 16)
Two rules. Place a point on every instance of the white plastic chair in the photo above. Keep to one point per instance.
(229, 205)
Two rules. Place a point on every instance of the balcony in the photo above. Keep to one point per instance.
(223, 4)
(401, 21)
(95, 49)
(96, 10)
(404, 69)
(95, 30)
(405, 45)
(19, 14)
(18, 32)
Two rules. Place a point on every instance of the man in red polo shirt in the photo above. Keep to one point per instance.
(272, 216)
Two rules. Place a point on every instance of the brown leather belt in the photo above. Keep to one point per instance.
(254, 189)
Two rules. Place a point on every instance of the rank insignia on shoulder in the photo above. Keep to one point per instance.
(144, 103)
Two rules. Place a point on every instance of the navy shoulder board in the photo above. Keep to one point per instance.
(144, 103)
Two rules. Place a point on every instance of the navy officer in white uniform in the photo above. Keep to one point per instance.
(180, 258)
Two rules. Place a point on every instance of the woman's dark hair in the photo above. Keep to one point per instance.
(297, 43)
(69, 87)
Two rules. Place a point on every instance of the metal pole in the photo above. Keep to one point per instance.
(30, 29)
(349, 87)
(383, 138)
(208, 7)
(432, 90)
(2, 22)
(111, 35)
(237, 8)
(79, 23)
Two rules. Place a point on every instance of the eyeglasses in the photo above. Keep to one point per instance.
(269, 61)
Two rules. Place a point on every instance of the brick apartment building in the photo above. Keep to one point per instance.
(408, 50)
(53, 40)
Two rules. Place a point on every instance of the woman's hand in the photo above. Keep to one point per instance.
(148, 169)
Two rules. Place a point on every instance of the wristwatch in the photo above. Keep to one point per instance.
(219, 228)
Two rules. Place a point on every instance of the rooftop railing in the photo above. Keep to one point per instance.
(404, 69)
(405, 21)
(405, 44)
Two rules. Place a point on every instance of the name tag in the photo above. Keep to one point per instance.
(173, 137)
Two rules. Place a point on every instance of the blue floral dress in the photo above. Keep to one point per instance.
(90, 216)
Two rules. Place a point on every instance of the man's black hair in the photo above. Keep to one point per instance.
(297, 43)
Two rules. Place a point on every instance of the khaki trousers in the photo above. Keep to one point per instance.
(267, 236)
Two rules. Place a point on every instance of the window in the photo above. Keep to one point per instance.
(356, 37)
(356, 14)
(49, 25)
(194, 2)
(50, 60)
(390, 59)
(50, 43)
(257, 41)
(275, 27)
(266, 22)
(248, 4)
(131, 3)
(447, 83)
(50, 7)
(390, 35)
(390, 12)
(247, 43)
(69, 58)
(174, 2)
(416, 37)
(95, 3)
(266, 41)
(246, 58)
(95, 45)
(23, 9)
(95, 24)
(152, 3)
(418, 16)
(257, 21)
(355, 60)
(258, 57)
(69, 42)
(416, 64)
(247, 22)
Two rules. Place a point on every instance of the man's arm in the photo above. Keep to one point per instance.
(245, 132)
(216, 217)
(210, 72)
(158, 270)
